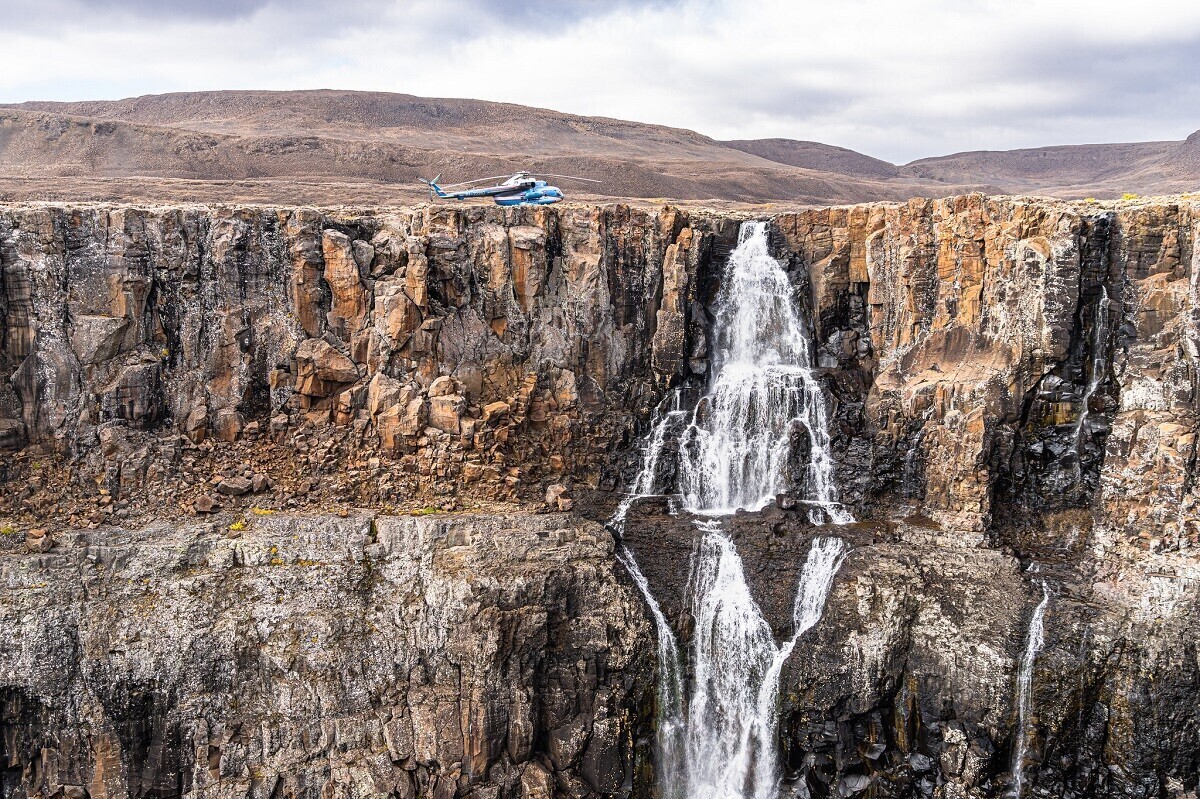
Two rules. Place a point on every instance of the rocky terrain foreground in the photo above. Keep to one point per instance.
(302, 502)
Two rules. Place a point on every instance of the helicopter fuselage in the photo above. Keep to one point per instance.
(540, 193)
(520, 189)
(527, 192)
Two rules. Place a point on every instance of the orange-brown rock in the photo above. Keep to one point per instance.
(956, 337)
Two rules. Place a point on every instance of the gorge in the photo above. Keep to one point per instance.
(335, 502)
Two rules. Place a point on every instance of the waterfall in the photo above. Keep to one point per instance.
(731, 718)
(733, 454)
(1099, 365)
(1033, 645)
(668, 743)
(646, 482)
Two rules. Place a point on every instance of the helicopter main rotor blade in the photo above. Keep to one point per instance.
(477, 180)
(569, 177)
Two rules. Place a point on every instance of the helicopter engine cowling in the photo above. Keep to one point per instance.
(540, 195)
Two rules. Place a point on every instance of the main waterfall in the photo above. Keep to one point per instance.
(731, 718)
(733, 454)
(735, 451)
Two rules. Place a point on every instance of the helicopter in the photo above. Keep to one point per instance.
(522, 188)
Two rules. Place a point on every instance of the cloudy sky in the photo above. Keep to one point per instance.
(896, 79)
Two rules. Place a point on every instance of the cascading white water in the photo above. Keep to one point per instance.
(1098, 368)
(733, 455)
(669, 742)
(731, 719)
(735, 451)
(1033, 644)
(668, 745)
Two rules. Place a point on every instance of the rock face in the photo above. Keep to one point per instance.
(1012, 397)
(322, 656)
(135, 340)
(1008, 377)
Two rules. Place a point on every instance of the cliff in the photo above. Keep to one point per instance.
(478, 352)
(1012, 390)
(322, 656)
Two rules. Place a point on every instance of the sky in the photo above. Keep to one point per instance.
(897, 79)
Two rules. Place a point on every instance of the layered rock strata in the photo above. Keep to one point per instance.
(322, 656)
(908, 685)
(434, 351)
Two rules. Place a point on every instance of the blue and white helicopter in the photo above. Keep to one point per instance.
(523, 188)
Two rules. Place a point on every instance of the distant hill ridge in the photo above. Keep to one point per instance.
(387, 141)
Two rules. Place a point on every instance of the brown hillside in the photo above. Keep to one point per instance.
(343, 146)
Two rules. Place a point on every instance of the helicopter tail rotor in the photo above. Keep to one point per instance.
(433, 186)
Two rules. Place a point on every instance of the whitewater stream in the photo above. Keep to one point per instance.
(1096, 373)
(1034, 639)
(717, 734)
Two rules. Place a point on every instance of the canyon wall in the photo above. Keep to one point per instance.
(322, 656)
(472, 351)
(1012, 388)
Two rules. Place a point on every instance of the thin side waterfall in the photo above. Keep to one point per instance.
(1098, 364)
(669, 719)
(734, 453)
(669, 742)
(1033, 644)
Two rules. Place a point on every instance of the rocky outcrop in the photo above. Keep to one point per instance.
(141, 346)
(1015, 390)
(908, 685)
(323, 656)
(959, 338)
(962, 336)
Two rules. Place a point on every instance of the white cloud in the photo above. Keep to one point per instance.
(897, 80)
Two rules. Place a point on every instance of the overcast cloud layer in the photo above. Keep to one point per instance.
(898, 80)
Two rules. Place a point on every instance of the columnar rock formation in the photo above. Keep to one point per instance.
(475, 350)
(1012, 384)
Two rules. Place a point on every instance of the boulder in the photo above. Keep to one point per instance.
(557, 497)
(11, 433)
(228, 424)
(207, 503)
(135, 395)
(383, 392)
(235, 486)
(445, 412)
(321, 370)
(97, 338)
(195, 427)
(444, 386)
(495, 412)
(37, 540)
(537, 782)
(416, 415)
